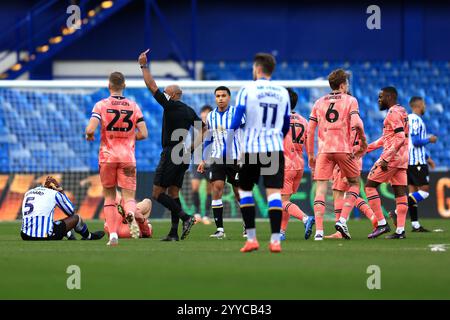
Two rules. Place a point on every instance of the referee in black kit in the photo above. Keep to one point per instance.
(169, 175)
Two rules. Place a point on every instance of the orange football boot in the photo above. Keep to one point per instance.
(275, 246)
(250, 245)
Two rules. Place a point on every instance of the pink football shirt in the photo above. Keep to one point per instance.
(395, 137)
(294, 142)
(118, 117)
(335, 114)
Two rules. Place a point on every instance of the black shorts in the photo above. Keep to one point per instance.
(255, 163)
(167, 173)
(222, 171)
(418, 175)
(59, 232)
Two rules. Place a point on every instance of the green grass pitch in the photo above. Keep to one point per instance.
(204, 268)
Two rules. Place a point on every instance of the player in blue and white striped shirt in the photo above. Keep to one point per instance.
(418, 179)
(38, 207)
(266, 107)
(222, 150)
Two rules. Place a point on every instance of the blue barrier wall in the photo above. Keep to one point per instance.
(235, 30)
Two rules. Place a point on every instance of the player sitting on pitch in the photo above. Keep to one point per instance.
(140, 228)
(38, 207)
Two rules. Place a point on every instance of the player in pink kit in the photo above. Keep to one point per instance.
(293, 169)
(335, 114)
(340, 186)
(392, 165)
(119, 119)
(141, 228)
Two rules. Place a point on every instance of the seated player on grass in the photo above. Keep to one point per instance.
(38, 207)
(140, 228)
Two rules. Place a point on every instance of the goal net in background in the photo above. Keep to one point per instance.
(42, 127)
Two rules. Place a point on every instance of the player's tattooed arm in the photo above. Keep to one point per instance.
(148, 78)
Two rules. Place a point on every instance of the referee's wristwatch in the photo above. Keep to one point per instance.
(144, 66)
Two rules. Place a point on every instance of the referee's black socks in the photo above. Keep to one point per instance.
(169, 203)
(173, 206)
(175, 219)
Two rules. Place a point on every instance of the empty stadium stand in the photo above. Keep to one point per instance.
(430, 80)
(42, 131)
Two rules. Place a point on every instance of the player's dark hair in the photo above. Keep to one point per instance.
(117, 80)
(293, 97)
(266, 61)
(206, 107)
(223, 88)
(336, 78)
(391, 91)
(414, 99)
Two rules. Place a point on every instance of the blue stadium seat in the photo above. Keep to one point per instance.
(41, 131)
(423, 78)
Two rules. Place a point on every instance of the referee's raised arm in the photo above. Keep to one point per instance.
(149, 81)
(148, 78)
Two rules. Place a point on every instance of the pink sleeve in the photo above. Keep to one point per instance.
(139, 114)
(97, 111)
(355, 119)
(375, 145)
(305, 140)
(311, 130)
(396, 123)
(355, 138)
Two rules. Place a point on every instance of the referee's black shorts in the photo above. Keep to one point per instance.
(59, 231)
(418, 175)
(168, 173)
(269, 165)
